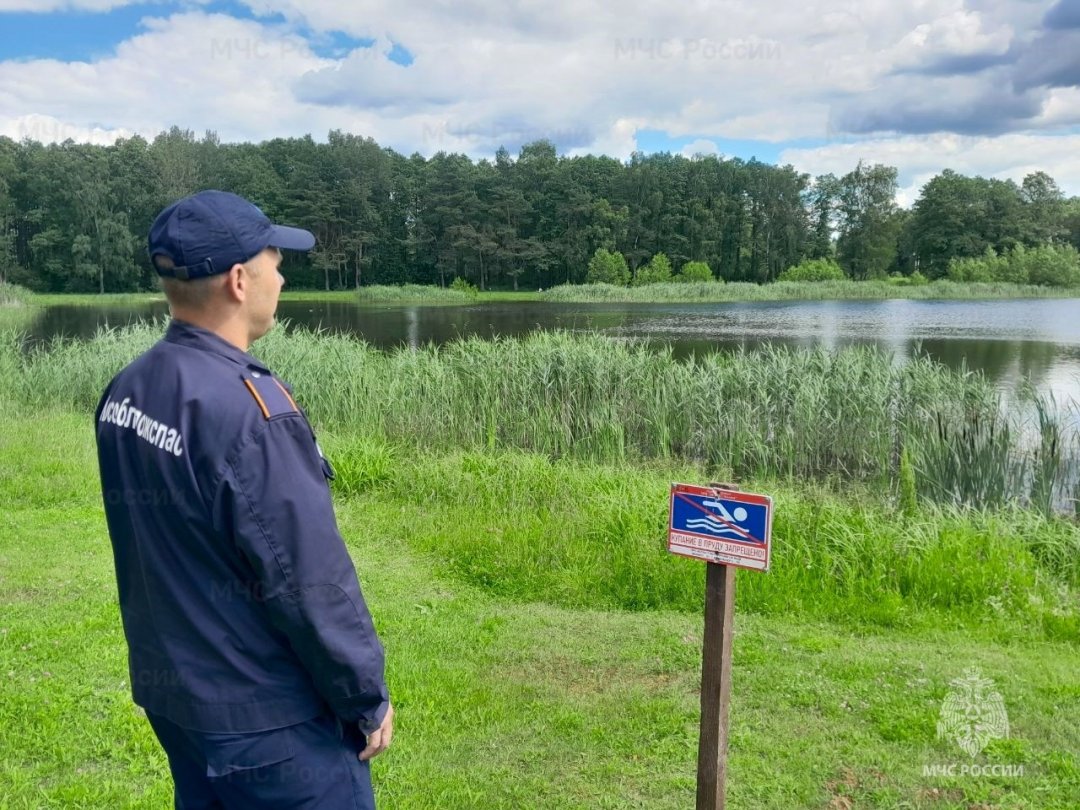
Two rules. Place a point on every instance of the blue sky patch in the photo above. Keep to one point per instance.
(324, 44)
(82, 36)
(400, 54)
(654, 140)
(72, 36)
(233, 8)
(334, 44)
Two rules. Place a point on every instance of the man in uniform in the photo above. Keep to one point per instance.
(250, 645)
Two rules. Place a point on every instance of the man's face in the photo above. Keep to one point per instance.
(265, 287)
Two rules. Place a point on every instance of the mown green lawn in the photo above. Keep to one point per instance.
(504, 703)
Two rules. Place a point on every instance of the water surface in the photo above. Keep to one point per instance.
(1010, 341)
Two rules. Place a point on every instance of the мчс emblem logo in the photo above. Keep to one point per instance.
(973, 713)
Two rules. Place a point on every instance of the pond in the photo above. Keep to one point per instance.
(1010, 341)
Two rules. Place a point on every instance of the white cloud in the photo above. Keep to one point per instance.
(586, 74)
(700, 147)
(618, 141)
(1061, 108)
(957, 34)
(46, 129)
(919, 158)
(194, 70)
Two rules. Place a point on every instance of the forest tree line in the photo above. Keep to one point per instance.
(74, 217)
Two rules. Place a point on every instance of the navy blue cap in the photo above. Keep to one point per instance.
(207, 233)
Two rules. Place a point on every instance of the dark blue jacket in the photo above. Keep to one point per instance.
(240, 604)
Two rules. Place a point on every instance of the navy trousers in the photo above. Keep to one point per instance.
(308, 765)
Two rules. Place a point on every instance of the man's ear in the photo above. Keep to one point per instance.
(236, 282)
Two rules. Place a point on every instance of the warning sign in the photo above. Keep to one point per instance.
(720, 526)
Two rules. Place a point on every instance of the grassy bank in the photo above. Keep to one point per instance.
(520, 679)
(424, 294)
(135, 299)
(96, 299)
(796, 291)
(780, 413)
(607, 293)
(584, 535)
(151, 297)
(407, 294)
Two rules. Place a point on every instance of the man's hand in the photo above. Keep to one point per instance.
(379, 740)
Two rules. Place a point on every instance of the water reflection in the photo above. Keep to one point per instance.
(1010, 341)
(83, 321)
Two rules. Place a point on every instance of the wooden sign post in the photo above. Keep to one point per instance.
(727, 529)
(715, 685)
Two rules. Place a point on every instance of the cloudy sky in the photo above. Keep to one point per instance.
(987, 87)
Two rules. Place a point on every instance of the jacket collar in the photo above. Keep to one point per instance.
(183, 333)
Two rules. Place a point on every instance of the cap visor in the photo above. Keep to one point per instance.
(291, 238)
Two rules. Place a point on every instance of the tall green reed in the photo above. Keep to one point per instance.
(795, 291)
(776, 412)
(13, 295)
(379, 293)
